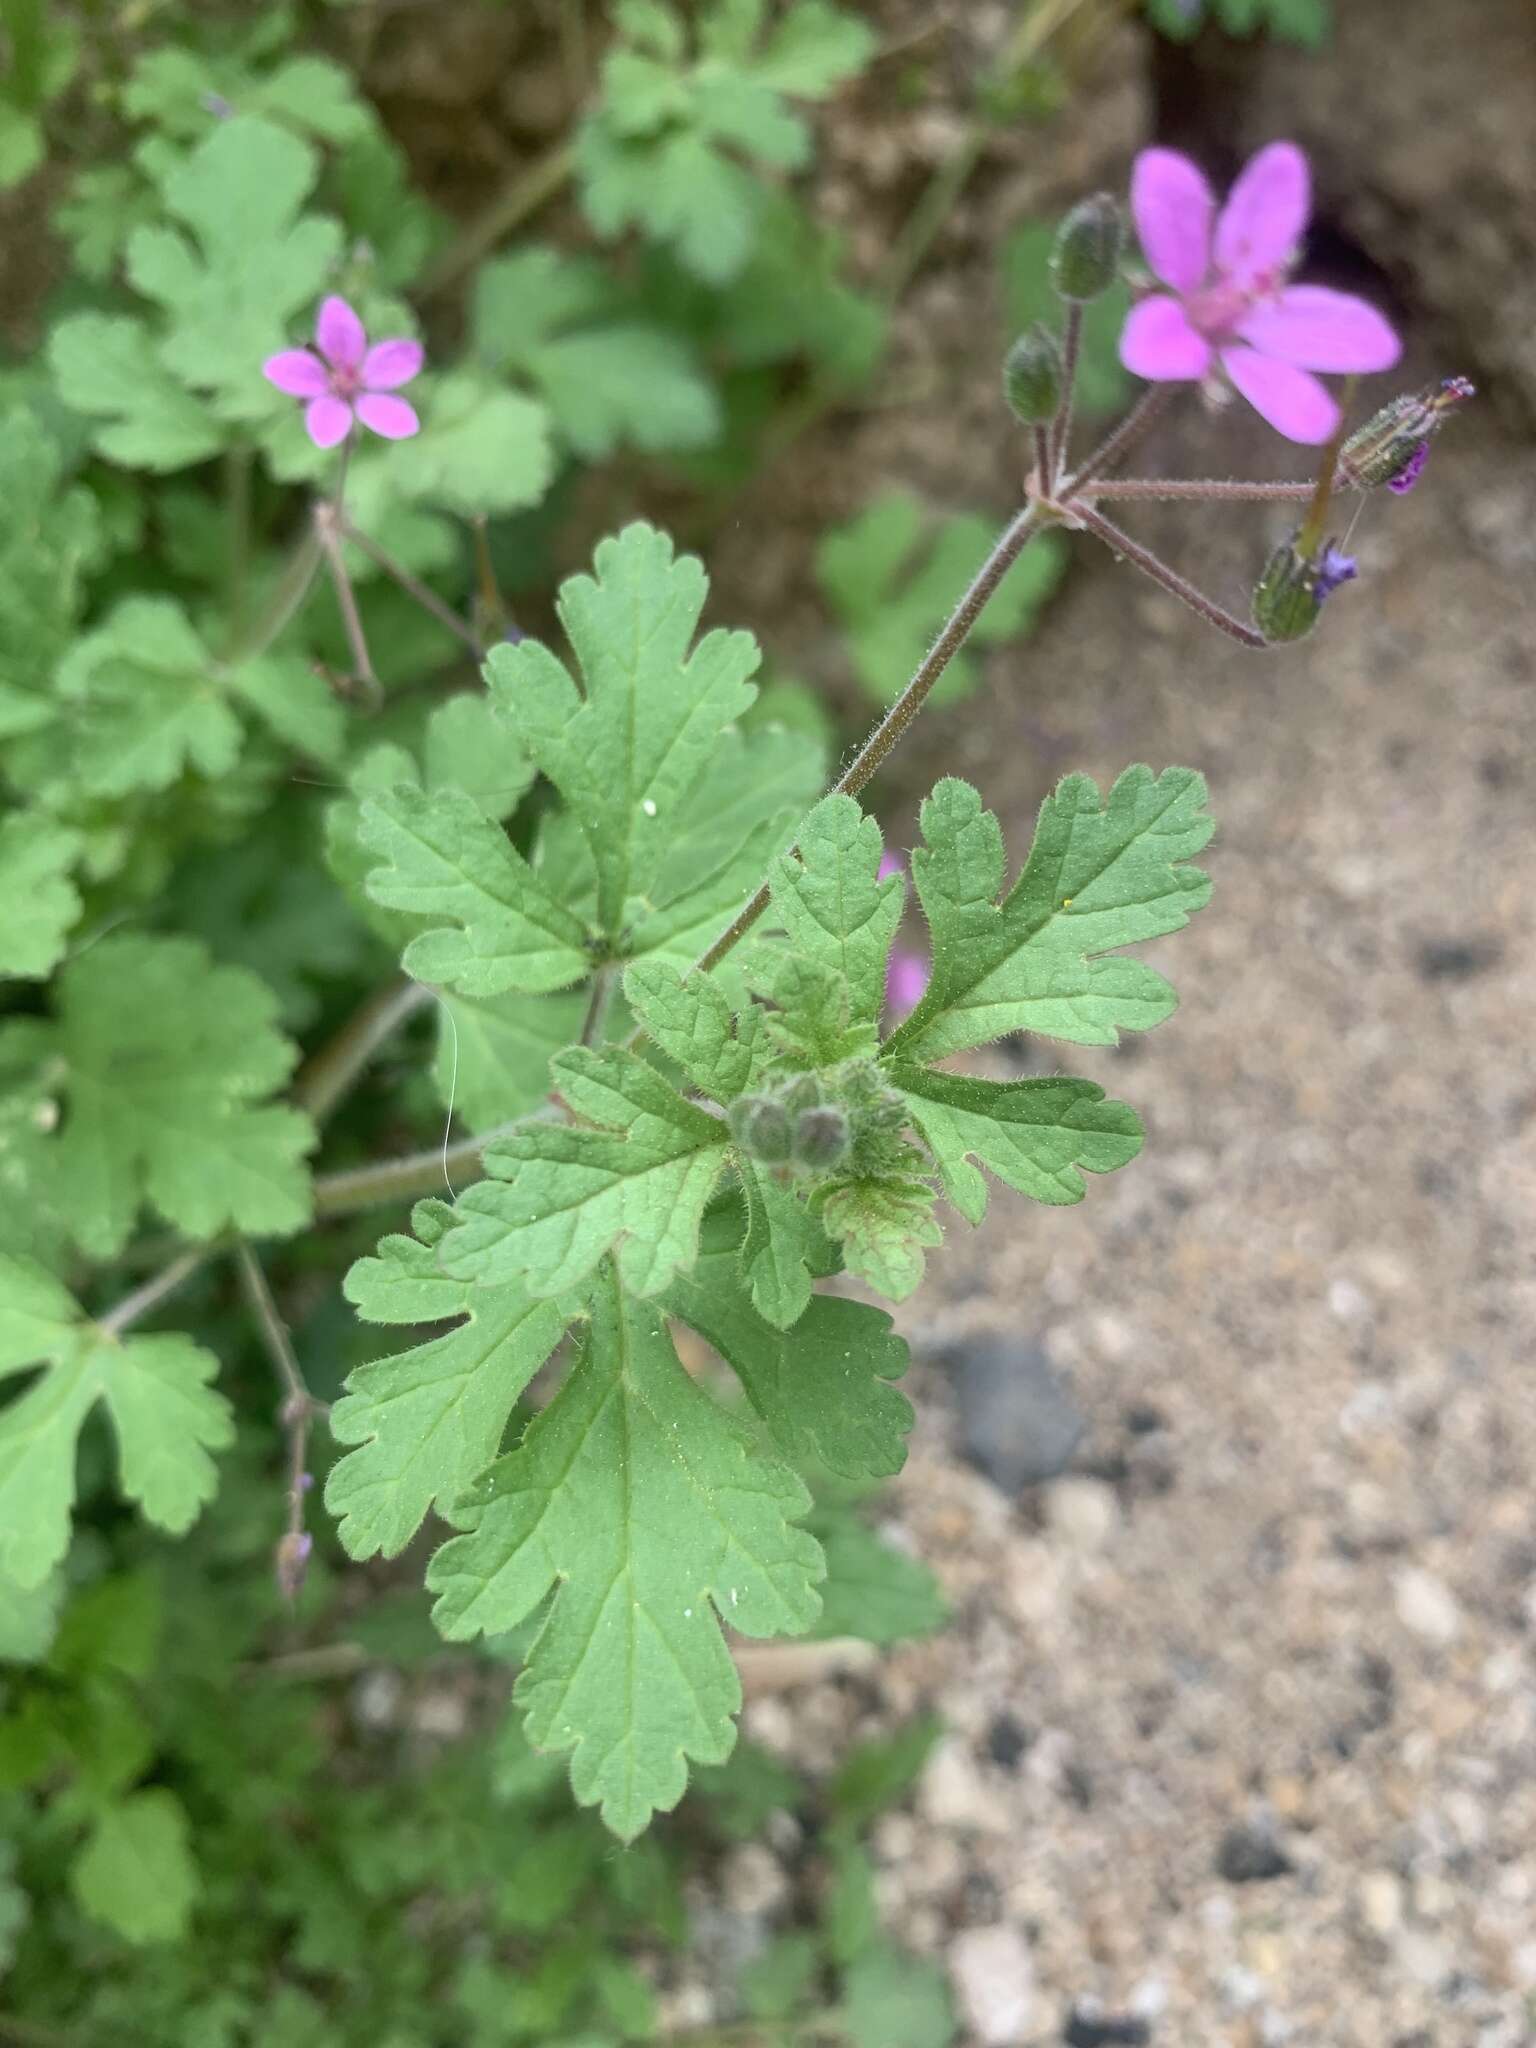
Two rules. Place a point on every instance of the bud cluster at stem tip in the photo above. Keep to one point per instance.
(1032, 376)
(1086, 258)
(792, 1126)
(1291, 592)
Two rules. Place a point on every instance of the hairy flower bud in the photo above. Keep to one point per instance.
(1289, 595)
(1392, 446)
(761, 1127)
(804, 1092)
(1086, 257)
(1032, 375)
(822, 1137)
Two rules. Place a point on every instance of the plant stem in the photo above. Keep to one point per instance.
(327, 522)
(1169, 579)
(604, 982)
(298, 1410)
(1119, 439)
(154, 1291)
(531, 187)
(331, 1072)
(413, 586)
(237, 498)
(415, 1173)
(291, 590)
(1043, 465)
(1230, 489)
(1071, 347)
(893, 726)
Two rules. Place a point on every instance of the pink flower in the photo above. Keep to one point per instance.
(906, 972)
(1228, 301)
(351, 380)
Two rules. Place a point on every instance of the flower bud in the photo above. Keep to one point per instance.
(1392, 445)
(803, 1092)
(761, 1127)
(1086, 257)
(822, 1137)
(1032, 376)
(1289, 595)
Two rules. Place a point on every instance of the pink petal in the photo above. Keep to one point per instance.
(391, 417)
(388, 364)
(1158, 342)
(339, 335)
(906, 982)
(297, 372)
(1321, 330)
(1293, 402)
(1265, 213)
(1172, 207)
(328, 420)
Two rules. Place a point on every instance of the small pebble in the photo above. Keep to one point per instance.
(994, 1980)
(1426, 1605)
(1251, 1856)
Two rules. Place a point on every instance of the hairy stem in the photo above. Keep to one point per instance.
(1043, 466)
(297, 1412)
(604, 982)
(1168, 579)
(1119, 439)
(332, 1072)
(531, 187)
(153, 1292)
(1235, 490)
(327, 525)
(893, 726)
(415, 1173)
(237, 500)
(1071, 346)
(413, 587)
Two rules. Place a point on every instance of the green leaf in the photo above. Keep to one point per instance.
(294, 702)
(627, 754)
(647, 1511)
(878, 1774)
(873, 1591)
(136, 1874)
(783, 1248)
(893, 2000)
(163, 1058)
(837, 914)
(822, 1389)
(155, 1389)
(1038, 1136)
(776, 1983)
(148, 701)
(891, 592)
(106, 369)
(691, 1020)
(852, 1914)
(1024, 262)
(565, 1195)
(29, 1615)
(447, 860)
(742, 1794)
(884, 1225)
(662, 149)
(482, 449)
(1099, 875)
(428, 1421)
(38, 901)
(245, 268)
(493, 1053)
(607, 380)
(48, 537)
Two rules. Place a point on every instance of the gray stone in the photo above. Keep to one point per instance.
(1019, 1422)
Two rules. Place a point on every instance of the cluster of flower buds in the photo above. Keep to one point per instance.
(792, 1125)
(1393, 445)
(1085, 261)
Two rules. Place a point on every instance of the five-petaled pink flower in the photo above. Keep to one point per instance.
(1228, 301)
(348, 378)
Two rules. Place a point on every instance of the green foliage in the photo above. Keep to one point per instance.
(1308, 23)
(155, 1390)
(891, 588)
(680, 109)
(135, 1873)
(161, 1059)
(652, 1510)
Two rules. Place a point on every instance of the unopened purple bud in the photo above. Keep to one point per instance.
(514, 636)
(215, 103)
